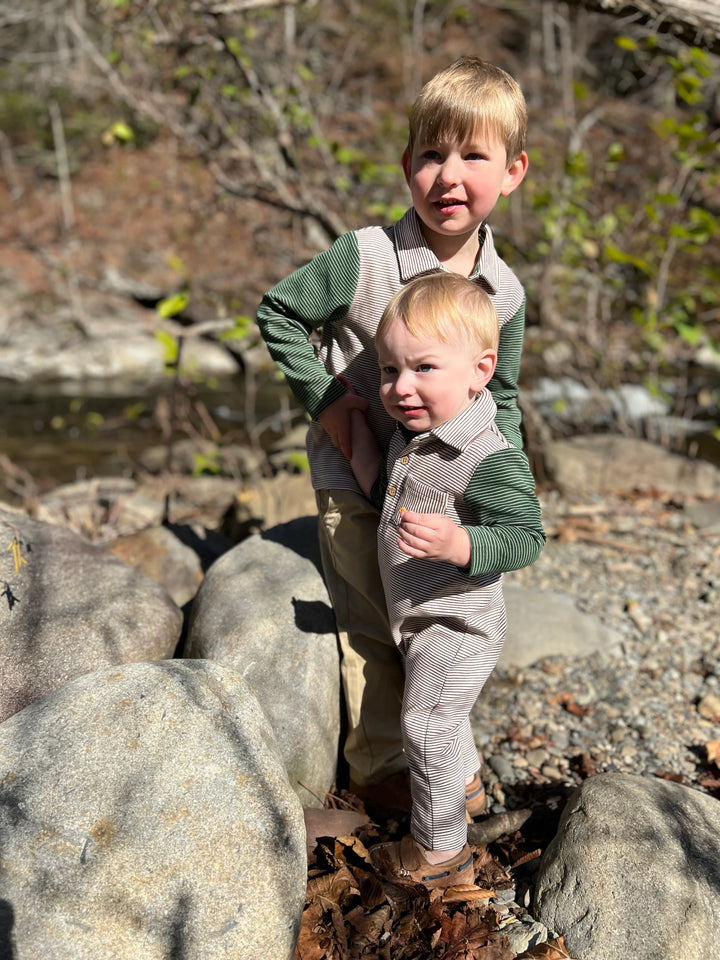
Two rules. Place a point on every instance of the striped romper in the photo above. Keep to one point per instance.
(449, 623)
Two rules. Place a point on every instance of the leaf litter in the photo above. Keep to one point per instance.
(351, 913)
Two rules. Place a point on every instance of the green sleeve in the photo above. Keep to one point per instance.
(508, 532)
(504, 384)
(316, 294)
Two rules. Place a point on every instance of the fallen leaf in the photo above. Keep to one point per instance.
(712, 750)
(488, 830)
(466, 892)
(666, 775)
(552, 950)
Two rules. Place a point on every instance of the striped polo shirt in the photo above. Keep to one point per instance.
(340, 295)
(467, 470)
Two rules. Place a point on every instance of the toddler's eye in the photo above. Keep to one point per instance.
(389, 370)
(425, 367)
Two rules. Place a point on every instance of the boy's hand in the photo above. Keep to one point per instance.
(434, 537)
(335, 421)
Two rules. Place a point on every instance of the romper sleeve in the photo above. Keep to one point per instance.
(508, 532)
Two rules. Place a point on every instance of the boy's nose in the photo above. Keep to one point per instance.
(449, 173)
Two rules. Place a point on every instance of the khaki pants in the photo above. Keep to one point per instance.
(372, 668)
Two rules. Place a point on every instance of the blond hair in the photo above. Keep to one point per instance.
(445, 306)
(471, 97)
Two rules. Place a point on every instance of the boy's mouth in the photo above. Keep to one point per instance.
(449, 204)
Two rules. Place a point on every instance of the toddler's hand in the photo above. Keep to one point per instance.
(433, 536)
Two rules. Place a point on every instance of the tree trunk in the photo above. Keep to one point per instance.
(695, 21)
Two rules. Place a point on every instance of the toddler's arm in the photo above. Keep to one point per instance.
(365, 457)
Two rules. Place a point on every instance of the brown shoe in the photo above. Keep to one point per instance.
(475, 799)
(405, 860)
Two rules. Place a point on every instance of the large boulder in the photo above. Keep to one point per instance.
(145, 814)
(634, 871)
(71, 608)
(263, 610)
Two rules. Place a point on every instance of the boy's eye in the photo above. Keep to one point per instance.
(431, 155)
(474, 156)
(389, 370)
(425, 367)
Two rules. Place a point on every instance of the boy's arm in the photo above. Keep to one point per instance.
(509, 534)
(504, 384)
(317, 293)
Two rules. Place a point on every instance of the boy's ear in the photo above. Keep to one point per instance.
(484, 369)
(406, 160)
(514, 174)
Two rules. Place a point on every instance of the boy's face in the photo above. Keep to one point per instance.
(454, 186)
(425, 382)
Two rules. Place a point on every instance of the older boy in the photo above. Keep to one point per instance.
(458, 508)
(465, 149)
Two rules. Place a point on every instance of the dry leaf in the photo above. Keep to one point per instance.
(488, 830)
(466, 892)
(552, 950)
(712, 750)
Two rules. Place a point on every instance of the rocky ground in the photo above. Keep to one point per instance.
(647, 566)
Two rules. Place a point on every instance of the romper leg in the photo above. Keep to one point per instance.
(445, 672)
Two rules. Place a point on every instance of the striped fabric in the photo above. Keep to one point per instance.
(450, 624)
(342, 292)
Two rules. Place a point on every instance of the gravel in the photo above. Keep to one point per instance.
(639, 564)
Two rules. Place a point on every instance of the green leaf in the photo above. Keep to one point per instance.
(172, 306)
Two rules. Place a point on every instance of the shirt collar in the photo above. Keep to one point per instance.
(458, 432)
(415, 257)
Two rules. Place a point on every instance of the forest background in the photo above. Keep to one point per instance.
(203, 149)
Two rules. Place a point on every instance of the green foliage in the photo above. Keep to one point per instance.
(205, 464)
(647, 253)
(299, 461)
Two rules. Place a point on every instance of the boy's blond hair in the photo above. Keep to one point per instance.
(447, 307)
(470, 97)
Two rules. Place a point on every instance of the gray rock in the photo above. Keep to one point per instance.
(72, 608)
(634, 871)
(542, 623)
(605, 463)
(145, 813)
(160, 555)
(263, 610)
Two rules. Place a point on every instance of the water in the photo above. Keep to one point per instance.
(58, 438)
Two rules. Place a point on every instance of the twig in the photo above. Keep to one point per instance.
(63, 167)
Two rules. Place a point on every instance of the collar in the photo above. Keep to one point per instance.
(415, 257)
(458, 432)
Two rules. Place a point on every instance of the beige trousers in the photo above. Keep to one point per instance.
(372, 668)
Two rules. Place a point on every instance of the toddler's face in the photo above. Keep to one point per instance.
(425, 382)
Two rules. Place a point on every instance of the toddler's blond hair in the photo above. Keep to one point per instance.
(447, 307)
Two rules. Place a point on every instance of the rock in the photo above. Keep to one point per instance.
(542, 624)
(634, 871)
(112, 343)
(607, 463)
(145, 813)
(161, 556)
(263, 610)
(72, 609)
